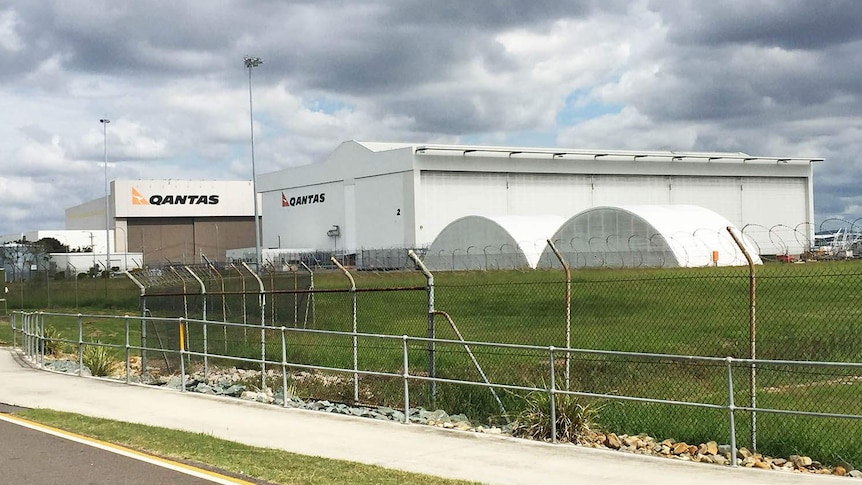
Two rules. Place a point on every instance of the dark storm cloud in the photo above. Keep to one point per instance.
(753, 61)
(373, 48)
(713, 83)
(789, 24)
(152, 39)
(489, 14)
(766, 77)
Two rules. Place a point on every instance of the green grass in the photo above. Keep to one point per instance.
(804, 312)
(267, 464)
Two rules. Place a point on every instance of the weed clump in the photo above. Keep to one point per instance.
(576, 421)
(52, 341)
(99, 360)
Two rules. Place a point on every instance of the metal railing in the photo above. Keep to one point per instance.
(406, 362)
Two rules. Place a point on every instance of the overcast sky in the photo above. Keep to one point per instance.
(771, 78)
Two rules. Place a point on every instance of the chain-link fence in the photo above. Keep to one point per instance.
(804, 312)
(231, 293)
(800, 320)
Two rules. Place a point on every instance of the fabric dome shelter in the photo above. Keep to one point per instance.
(481, 243)
(647, 236)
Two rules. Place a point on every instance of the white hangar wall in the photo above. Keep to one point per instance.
(369, 195)
(761, 203)
(398, 195)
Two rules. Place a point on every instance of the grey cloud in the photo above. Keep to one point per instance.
(790, 24)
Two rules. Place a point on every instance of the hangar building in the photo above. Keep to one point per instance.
(395, 195)
(172, 220)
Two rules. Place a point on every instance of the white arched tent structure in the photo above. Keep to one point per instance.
(647, 236)
(504, 242)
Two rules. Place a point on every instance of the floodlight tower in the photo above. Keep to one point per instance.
(104, 122)
(251, 63)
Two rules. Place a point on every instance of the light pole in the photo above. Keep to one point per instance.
(104, 123)
(251, 63)
(125, 246)
(93, 250)
(218, 255)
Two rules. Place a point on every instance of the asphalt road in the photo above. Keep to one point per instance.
(34, 457)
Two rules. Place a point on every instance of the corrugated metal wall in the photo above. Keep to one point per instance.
(446, 196)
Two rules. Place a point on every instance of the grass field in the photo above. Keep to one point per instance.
(267, 464)
(803, 312)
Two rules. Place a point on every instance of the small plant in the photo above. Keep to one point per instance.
(576, 421)
(290, 392)
(53, 344)
(99, 360)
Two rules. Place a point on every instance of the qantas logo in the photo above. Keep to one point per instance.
(138, 199)
(302, 200)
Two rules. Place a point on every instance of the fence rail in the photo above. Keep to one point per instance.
(200, 347)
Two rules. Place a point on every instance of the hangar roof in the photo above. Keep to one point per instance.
(525, 152)
(355, 159)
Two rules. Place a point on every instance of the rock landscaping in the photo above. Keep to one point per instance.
(714, 453)
(237, 383)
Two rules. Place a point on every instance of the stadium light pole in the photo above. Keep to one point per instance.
(251, 63)
(104, 122)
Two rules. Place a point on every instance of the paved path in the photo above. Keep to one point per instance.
(36, 457)
(423, 449)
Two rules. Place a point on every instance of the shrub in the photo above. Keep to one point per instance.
(99, 360)
(52, 343)
(576, 421)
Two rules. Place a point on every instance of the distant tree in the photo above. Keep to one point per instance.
(12, 256)
(52, 245)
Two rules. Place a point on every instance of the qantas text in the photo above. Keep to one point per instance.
(183, 199)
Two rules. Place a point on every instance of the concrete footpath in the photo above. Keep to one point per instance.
(416, 448)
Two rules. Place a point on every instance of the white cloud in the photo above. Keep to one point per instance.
(10, 40)
(637, 75)
(629, 129)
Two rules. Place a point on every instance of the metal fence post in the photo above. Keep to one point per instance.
(182, 331)
(432, 365)
(41, 342)
(80, 345)
(34, 341)
(31, 317)
(24, 341)
(262, 303)
(568, 309)
(13, 321)
(731, 408)
(406, 375)
(204, 314)
(143, 298)
(223, 300)
(552, 395)
(310, 301)
(128, 351)
(752, 337)
(355, 338)
(28, 334)
(284, 365)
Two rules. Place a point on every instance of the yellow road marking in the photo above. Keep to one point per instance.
(122, 450)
